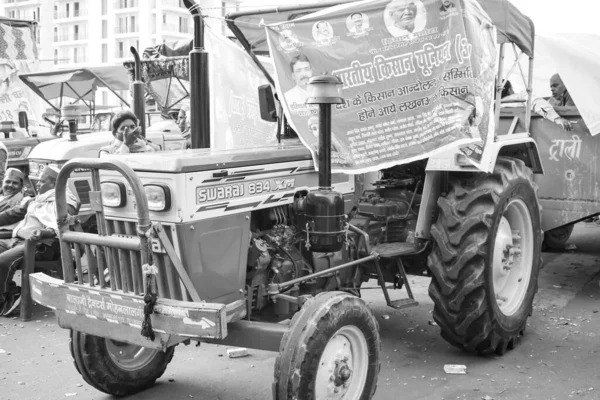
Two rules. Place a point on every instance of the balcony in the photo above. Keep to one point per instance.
(72, 37)
(71, 14)
(121, 4)
(183, 29)
(127, 29)
(78, 60)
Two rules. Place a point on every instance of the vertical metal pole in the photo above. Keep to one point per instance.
(499, 90)
(199, 82)
(325, 146)
(138, 92)
(529, 95)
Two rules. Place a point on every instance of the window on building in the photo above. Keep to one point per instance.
(67, 11)
(76, 9)
(104, 98)
(55, 34)
(104, 29)
(38, 14)
(55, 11)
(12, 14)
(164, 18)
(104, 52)
(76, 32)
(120, 53)
(75, 55)
(104, 7)
(55, 56)
(132, 27)
(183, 24)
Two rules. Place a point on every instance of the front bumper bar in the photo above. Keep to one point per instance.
(119, 316)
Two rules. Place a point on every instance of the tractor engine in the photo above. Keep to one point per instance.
(278, 253)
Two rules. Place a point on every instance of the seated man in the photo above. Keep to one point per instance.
(12, 189)
(560, 95)
(127, 135)
(36, 219)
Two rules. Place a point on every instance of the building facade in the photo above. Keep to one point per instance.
(91, 32)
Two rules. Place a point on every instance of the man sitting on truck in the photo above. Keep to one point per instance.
(127, 133)
(12, 189)
(36, 218)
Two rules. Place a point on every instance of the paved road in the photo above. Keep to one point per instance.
(559, 358)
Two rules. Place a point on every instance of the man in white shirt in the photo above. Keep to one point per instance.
(301, 73)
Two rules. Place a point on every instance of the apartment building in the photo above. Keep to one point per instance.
(75, 33)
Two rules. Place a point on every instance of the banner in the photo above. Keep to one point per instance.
(234, 80)
(18, 55)
(418, 78)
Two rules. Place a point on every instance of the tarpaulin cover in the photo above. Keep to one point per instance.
(417, 77)
(511, 24)
(77, 83)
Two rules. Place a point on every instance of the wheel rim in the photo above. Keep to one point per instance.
(343, 367)
(513, 257)
(129, 356)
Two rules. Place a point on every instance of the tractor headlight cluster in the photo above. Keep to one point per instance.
(159, 197)
(113, 194)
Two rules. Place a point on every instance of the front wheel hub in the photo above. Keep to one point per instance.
(342, 370)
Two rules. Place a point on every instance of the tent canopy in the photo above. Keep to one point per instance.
(78, 84)
(248, 26)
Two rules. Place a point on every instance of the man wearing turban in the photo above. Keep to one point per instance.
(36, 220)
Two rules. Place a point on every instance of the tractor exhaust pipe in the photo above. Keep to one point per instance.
(138, 92)
(199, 85)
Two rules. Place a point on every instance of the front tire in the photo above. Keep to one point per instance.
(331, 351)
(486, 257)
(117, 368)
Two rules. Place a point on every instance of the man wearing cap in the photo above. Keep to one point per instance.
(12, 189)
(36, 220)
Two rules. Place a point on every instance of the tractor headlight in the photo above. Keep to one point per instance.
(159, 197)
(113, 194)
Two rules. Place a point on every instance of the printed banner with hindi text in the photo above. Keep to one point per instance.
(418, 78)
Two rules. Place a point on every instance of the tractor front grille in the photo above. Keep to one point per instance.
(121, 270)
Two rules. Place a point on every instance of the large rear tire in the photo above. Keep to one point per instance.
(330, 351)
(486, 257)
(117, 368)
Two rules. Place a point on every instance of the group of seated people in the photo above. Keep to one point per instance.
(31, 218)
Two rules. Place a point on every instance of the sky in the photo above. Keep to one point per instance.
(549, 16)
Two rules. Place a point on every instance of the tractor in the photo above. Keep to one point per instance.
(265, 249)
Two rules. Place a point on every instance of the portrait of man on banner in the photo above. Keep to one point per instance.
(405, 17)
(357, 23)
(301, 71)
